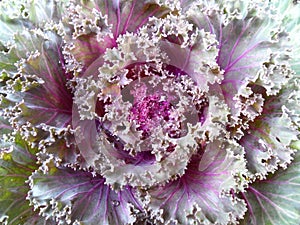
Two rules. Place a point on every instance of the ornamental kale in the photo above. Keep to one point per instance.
(137, 112)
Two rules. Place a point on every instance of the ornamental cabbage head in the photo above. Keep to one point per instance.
(149, 112)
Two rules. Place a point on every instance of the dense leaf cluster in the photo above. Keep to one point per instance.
(149, 112)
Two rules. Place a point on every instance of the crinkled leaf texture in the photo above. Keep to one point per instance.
(78, 197)
(267, 142)
(138, 54)
(252, 44)
(275, 200)
(240, 58)
(37, 86)
(94, 26)
(5, 133)
(202, 194)
(16, 165)
(33, 78)
(258, 86)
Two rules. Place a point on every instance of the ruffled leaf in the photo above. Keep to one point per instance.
(267, 142)
(198, 196)
(198, 50)
(128, 15)
(35, 93)
(32, 65)
(24, 13)
(9, 22)
(45, 96)
(94, 26)
(34, 90)
(41, 12)
(16, 165)
(5, 133)
(78, 197)
(140, 55)
(275, 200)
(243, 54)
(288, 11)
(251, 44)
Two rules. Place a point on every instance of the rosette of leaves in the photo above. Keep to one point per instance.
(149, 112)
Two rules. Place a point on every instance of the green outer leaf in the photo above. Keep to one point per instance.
(15, 168)
(34, 63)
(296, 145)
(275, 201)
(35, 96)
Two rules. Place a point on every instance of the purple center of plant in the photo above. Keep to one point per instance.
(153, 110)
(149, 112)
